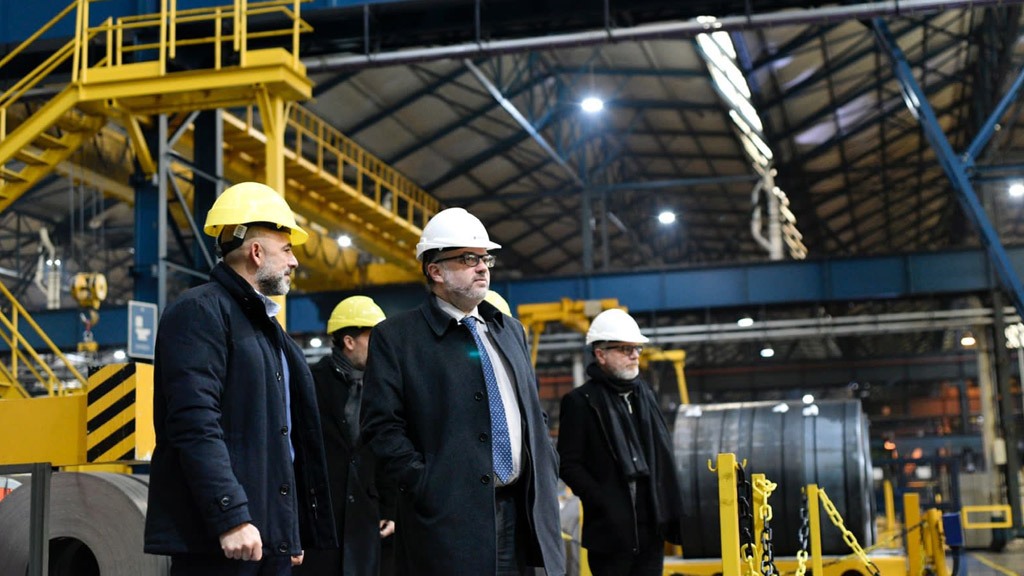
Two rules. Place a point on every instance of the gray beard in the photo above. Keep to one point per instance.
(464, 298)
(626, 374)
(271, 284)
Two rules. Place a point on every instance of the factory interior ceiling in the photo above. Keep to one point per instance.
(479, 104)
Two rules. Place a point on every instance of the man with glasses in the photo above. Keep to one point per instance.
(616, 455)
(451, 410)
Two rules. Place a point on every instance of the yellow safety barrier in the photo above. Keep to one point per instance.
(967, 524)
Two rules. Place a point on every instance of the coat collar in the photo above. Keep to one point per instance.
(240, 290)
(440, 321)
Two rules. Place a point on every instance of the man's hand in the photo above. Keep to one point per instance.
(387, 528)
(297, 560)
(242, 542)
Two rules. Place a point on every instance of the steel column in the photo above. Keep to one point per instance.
(163, 173)
(209, 158)
(919, 106)
(273, 117)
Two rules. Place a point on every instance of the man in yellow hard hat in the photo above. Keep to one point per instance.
(362, 502)
(451, 409)
(238, 472)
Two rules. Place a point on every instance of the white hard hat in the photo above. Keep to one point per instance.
(454, 228)
(614, 326)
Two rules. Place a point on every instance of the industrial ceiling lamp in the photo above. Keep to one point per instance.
(592, 104)
(315, 342)
(1017, 189)
(667, 217)
(745, 322)
(767, 351)
(968, 340)
(344, 241)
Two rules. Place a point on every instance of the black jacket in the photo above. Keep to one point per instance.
(222, 450)
(588, 466)
(360, 500)
(425, 414)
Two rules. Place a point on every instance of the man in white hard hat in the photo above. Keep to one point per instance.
(451, 408)
(616, 455)
(362, 503)
(238, 479)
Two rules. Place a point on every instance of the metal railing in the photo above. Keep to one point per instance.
(122, 36)
(24, 354)
(335, 155)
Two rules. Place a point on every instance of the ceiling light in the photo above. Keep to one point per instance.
(666, 217)
(889, 445)
(344, 240)
(119, 355)
(1016, 189)
(967, 340)
(808, 398)
(745, 322)
(592, 104)
(767, 351)
(316, 342)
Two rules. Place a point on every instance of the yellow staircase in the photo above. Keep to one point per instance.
(106, 87)
(15, 326)
(332, 183)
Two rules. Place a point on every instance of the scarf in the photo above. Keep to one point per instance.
(641, 446)
(353, 379)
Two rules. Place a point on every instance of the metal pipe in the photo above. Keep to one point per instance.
(642, 32)
(800, 328)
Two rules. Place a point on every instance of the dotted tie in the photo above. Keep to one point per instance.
(501, 447)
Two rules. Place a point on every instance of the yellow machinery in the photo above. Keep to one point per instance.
(89, 290)
(577, 315)
(332, 183)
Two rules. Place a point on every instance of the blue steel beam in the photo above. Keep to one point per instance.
(989, 127)
(923, 275)
(917, 102)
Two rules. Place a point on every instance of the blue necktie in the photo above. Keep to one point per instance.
(501, 447)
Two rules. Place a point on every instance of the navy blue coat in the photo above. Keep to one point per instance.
(426, 416)
(222, 442)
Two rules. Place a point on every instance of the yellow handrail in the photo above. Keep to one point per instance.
(17, 339)
(409, 202)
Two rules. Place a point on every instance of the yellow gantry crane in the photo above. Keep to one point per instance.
(332, 183)
(577, 315)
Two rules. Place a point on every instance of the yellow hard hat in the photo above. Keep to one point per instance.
(498, 302)
(355, 311)
(250, 202)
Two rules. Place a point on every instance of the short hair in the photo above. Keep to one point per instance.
(338, 336)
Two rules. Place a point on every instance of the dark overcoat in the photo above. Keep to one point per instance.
(588, 466)
(222, 440)
(426, 416)
(359, 500)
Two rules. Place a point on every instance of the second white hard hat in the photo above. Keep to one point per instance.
(454, 228)
(614, 325)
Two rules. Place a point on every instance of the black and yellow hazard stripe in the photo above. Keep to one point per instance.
(110, 414)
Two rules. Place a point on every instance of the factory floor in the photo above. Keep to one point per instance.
(983, 563)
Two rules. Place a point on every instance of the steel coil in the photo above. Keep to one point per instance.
(793, 445)
(96, 527)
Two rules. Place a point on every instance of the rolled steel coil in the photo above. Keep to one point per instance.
(793, 445)
(96, 527)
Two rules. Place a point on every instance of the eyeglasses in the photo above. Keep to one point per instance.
(626, 349)
(470, 259)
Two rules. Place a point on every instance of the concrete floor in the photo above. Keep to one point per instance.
(984, 563)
